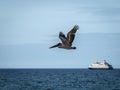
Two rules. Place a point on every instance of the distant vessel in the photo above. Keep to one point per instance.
(100, 65)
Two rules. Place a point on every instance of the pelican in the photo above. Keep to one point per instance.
(67, 41)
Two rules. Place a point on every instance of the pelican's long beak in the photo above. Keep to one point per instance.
(55, 45)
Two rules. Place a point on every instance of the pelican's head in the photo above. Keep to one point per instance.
(57, 45)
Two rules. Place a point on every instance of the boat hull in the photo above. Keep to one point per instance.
(100, 68)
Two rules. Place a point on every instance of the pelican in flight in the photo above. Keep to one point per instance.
(67, 41)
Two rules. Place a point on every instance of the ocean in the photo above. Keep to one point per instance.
(59, 79)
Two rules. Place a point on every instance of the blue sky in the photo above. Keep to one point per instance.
(29, 27)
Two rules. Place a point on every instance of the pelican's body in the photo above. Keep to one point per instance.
(67, 41)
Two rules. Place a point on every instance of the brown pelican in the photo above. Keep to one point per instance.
(67, 41)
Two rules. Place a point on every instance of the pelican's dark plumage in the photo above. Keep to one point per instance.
(67, 41)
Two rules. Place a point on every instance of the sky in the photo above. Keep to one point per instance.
(29, 27)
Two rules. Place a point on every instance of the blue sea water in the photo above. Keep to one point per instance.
(59, 79)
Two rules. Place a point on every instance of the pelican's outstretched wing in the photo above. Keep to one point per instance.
(63, 38)
(71, 34)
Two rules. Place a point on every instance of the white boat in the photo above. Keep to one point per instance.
(100, 65)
